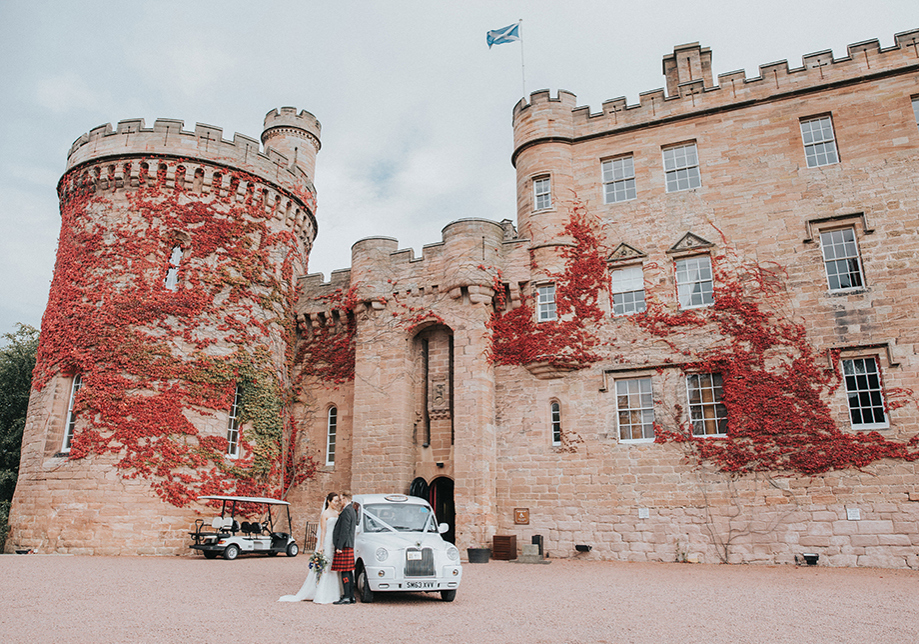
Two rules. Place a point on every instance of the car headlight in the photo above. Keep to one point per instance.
(453, 553)
(382, 554)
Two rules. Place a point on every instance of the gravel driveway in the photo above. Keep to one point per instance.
(64, 599)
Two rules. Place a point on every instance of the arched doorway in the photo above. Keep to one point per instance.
(440, 495)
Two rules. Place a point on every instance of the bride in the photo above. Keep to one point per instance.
(323, 587)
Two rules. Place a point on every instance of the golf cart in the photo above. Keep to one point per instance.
(228, 537)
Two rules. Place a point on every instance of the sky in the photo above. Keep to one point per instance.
(415, 109)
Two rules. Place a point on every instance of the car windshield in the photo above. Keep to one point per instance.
(401, 517)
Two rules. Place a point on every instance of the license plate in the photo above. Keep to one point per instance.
(421, 584)
(413, 556)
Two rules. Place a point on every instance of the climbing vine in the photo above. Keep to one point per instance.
(152, 358)
(570, 340)
(774, 385)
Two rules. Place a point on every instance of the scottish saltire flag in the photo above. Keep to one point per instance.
(501, 36)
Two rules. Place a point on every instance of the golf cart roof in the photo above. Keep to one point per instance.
(244, 499)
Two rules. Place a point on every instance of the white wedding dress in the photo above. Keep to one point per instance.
(327, 588)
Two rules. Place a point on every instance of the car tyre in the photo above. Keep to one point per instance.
(231, 552)
(448, 595)
(363, 588)
(210, 554)
(292, 549)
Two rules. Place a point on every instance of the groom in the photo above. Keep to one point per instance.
(343, 540)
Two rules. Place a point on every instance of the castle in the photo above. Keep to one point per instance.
(697, 343)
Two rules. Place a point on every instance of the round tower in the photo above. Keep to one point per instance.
(162, 370)
(543, 134)
(296, 136)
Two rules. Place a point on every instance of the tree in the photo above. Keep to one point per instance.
(17, 359)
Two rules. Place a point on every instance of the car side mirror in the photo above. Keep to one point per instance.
(442, 528)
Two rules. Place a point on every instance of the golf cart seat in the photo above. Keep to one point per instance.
(257, 528)
(246, 527)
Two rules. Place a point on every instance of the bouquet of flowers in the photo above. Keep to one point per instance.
(319, 563)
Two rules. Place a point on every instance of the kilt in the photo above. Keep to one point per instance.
(344, 560)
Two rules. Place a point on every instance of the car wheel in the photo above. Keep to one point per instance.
(448, 595)
(210, 554)
(231, 552)
(292, 549)
(363, 588)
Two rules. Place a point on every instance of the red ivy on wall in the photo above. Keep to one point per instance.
(774, 386)
(571, 339)
(150, 356)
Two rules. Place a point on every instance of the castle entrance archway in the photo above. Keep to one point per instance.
(440, 495)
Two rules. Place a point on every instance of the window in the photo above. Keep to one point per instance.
(541, 189)
(840, 256)
(628, 288)
(545, 303)
(71, 416)
(863, 388)
(707, 412)
(331, 435)
(618, 180)
(916, 109)
(819, 142)
(233, 426)
(681, 167)
(556, 412)
(635, 409)
(172, 275)
(694, 281)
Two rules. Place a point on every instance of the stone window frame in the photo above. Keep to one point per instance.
(678, 168)
(611, 182)
(541, 181)
(816, 143)
(858, 269)
(641, 410)
(719, 415)
(613, 292)
(234, 427)
(915, 102)
(331, 435)
(171, 281)
(711, 281)
(549, 307)
(874, 392)
(863, 227)
(555, 421)
(70, 418)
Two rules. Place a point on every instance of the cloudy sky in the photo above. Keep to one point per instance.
(415, 109)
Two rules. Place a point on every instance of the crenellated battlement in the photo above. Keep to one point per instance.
(462, 265)
(691, 91)
(107, 176)
(167, 138)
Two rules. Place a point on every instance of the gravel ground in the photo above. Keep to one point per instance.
(61, 599)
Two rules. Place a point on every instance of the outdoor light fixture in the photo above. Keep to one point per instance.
(810, 558)
(582, 548)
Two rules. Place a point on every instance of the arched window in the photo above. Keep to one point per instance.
(233, 427)
(331, 435)
(71, 416)
(555, 410)
(172, 275)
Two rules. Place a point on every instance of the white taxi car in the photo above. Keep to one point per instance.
(398, 548)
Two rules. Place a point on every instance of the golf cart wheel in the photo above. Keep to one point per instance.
(363, 588)
(231, 552)
(448, 595)
(210, 554)
(292, 549)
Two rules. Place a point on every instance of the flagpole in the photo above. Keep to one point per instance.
(522, 66)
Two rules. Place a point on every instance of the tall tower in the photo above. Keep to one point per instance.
(162, 370)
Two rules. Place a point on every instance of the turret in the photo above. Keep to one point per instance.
(296, 136)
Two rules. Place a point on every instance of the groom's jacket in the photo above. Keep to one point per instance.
(343, 534)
